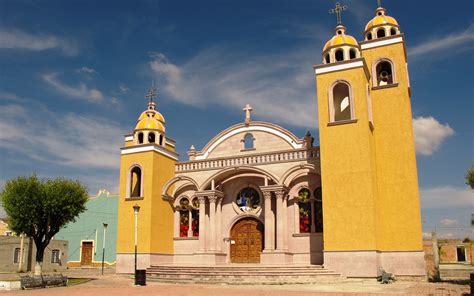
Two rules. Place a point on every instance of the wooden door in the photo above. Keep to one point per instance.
(86, 257)
(246, 244)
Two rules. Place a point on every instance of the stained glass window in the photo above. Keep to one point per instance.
(318, 208)
(305, 210)
(248, 199)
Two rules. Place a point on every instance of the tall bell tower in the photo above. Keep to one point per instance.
(147, 161)
(369, 179)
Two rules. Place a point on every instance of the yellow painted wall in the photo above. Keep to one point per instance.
(399, 218)
(347, 169)
(155, 219)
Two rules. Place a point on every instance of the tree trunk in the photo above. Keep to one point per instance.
(39, 258)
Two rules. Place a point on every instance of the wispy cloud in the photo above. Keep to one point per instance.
(279, 86)
(429, 134)
(86, 70)
(17, 39)
(443, 43)
(449, 222)
(446, 198)
(82, 91)
(124, 89)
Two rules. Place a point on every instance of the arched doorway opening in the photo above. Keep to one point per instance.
(246, 241)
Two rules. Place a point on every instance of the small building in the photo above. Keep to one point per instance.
(86, 234)
(13, 258)
(4, 229)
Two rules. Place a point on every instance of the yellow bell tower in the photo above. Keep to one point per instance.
(147, 161)
(369, 180)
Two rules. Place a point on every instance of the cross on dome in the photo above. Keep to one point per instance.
(338, 11)
(379, 2)
(247, 110)
(152, 93)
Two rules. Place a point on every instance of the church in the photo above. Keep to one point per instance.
(256, 194)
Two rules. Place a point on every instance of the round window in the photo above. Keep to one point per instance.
(248, 199)
(184, 202)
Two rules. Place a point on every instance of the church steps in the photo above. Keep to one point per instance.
(242, 274)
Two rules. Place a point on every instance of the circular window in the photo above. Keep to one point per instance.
(248, 199)
(184, 202)
(195, 203)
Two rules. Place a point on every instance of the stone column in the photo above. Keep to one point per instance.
(190, 223)
(285, 221)
(202, 216)
(297, 215)
(177, 222)
(313, 216)
(212, 221)
(219, 225)
(280, 220)
(269, 241)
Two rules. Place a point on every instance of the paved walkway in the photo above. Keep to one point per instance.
(122, 285)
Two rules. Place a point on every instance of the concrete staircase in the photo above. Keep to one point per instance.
(242, 274)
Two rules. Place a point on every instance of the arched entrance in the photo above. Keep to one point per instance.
(246, 241)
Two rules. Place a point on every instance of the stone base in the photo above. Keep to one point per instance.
(367, 264)
(276, 257)
(126, 261)
(209, 258)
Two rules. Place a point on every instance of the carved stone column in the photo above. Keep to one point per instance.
(219, 225)
(285, 221)
(212, 221)
(202, 216)
(269, 233)
(190, 223)
(281, 221)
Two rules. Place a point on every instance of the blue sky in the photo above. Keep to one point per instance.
(73, 75)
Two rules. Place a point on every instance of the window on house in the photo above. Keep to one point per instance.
(328, 60)
(318, 209)
(136, 182)
(248, 141)
(140, 138)
(461, 252)
(151, 137)
(16, 255)
(341, 102)
(304, 205)
(384, 73)
(381, 33)
(55, 254)
(369, 36)
(339, 55)
(352, 54)
(393, 31)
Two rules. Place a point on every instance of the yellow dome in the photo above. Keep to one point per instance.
(380, 19)
(340, 39)
(151, 119)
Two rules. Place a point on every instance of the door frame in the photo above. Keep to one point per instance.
(93, 248)
(239, 219)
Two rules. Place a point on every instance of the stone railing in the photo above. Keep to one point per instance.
(249, 160)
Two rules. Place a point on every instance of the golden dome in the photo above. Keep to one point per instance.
(381, 19)
(151, 119)
(340, 39)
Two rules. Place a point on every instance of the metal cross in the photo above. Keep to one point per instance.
(247, 110)
(379, 2)
(151, 92)
(337, 10)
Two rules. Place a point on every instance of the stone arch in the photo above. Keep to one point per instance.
(167, 186)
(224, 173)
(236, 219)
(285, 178)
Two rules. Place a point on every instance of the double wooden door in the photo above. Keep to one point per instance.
(246, 241)
(86, 253)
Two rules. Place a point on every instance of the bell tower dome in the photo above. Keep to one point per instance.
(381, 25)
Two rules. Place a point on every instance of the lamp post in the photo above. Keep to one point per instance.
(103, 247)
(136, 209)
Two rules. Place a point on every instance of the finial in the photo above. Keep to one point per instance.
(379, 2)
(151, 95)
(247, 110)
(338, 10)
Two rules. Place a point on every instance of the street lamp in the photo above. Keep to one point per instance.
(136, 209)
(103, 247)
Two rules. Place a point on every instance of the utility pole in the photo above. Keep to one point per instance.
(103, 247)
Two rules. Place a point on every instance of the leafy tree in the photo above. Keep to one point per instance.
(39, 208)
(470, 176)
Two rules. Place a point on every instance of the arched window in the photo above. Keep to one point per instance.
(352, 53)
(341, 107)
(318, 209)
(381, 33)
(140, 138)
(136, 182)
(328, 60)
(393, 31)
(195, 216)
(384, 73)
(305, 210)
(184, 217)
(151, 137)
(248, 141)
(161, 140)
(339, 55)
(369, 36)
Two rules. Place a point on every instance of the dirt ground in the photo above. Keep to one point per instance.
(122, 285)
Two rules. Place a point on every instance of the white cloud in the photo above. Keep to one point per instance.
(124, 89)
(443, 43)
(87, 70)
(82, 91)
(70, 140)
(280, 87)
(429, 134)
(446, 197)
(449, 222)
(16, 39)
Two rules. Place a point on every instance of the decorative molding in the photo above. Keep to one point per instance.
(128, 138)
(344, 65)
(341, 122)
(149, 147)
(385, 86)
(382, 42)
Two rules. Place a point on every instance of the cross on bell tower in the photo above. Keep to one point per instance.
(151, 95)
(338, 11)
(379, 2)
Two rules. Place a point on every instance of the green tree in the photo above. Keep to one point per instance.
(39, 208)
(470, 176)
